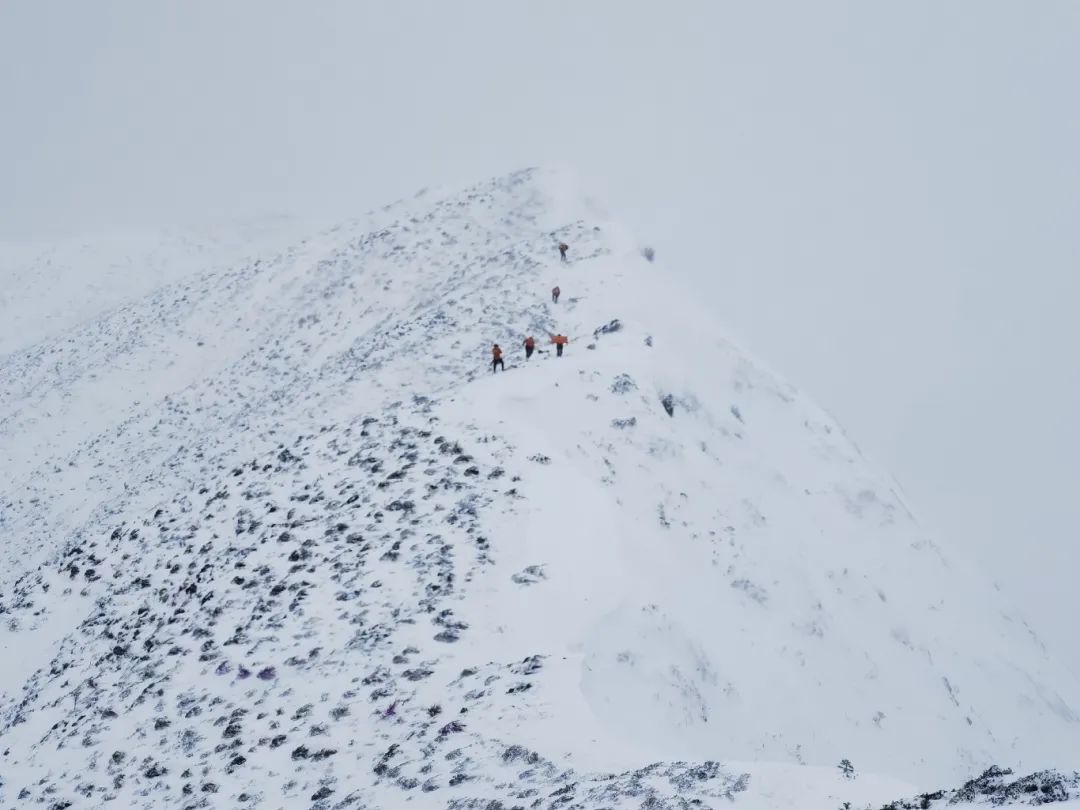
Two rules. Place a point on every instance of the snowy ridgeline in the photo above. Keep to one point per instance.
(277, 537)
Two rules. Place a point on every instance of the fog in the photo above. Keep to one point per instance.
(881, 200)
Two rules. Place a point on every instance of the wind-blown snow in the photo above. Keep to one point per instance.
(279, 537)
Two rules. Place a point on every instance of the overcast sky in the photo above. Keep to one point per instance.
(882, 200)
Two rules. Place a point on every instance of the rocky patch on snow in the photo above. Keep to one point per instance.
(999, 787)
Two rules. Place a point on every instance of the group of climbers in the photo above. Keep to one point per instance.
(558, 340)
(497, 363)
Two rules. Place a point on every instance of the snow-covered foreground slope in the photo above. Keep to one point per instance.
(278, 538)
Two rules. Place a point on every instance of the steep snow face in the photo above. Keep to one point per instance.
(278, 534)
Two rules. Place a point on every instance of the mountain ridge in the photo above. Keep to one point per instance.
(300, 485)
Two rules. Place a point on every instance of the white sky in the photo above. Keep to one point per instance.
(880, 199)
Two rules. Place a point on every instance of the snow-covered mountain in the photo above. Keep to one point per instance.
(277, 537)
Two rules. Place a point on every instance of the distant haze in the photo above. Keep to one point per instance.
(881, 200)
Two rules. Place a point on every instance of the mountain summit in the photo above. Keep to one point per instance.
(279, 537)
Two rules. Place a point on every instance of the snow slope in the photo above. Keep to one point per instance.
(49, 288)
(279, 538)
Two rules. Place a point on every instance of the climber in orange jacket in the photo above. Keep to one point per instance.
(559, 340)
(530, 346)
(496, 359)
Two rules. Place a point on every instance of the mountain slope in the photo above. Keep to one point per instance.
(279, 537)
(49, 288)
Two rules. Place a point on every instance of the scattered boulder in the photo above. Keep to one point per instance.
(612, 326)
(530, 575)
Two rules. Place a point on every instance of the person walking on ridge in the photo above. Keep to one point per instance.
(530, 345)
(559, 341)
(496, 359)
(563, 247)
(555, 293)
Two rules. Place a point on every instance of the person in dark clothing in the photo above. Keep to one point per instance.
(559, 341)
(555, 293)
(497, 359)
(530, 346)
(563, 247)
